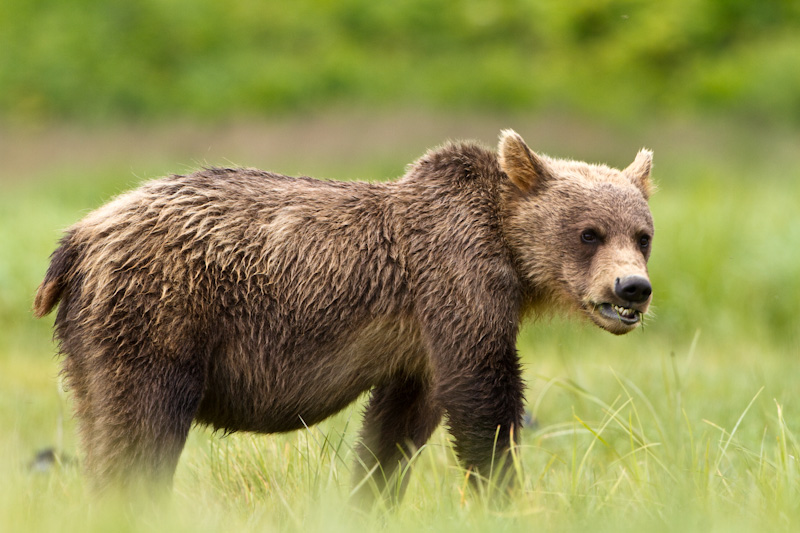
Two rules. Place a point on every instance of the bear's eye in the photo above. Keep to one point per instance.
(589, 236)
(644, 242)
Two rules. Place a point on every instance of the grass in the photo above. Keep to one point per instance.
(690, 424)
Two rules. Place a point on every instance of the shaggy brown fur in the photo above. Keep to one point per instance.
(251, 301)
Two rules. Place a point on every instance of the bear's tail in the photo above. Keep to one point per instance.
(55, 280)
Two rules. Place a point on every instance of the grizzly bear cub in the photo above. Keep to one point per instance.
(252, 301)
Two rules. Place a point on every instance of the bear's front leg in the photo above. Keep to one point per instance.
(399, 419)
(479, 386)
(484, 409)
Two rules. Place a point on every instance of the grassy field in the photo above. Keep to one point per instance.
(689, 424)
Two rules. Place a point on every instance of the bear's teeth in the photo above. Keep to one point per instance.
(624, 311)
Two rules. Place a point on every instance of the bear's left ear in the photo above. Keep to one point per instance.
(639, 172)
(525, 169)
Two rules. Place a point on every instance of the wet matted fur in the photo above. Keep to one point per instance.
(252, 301)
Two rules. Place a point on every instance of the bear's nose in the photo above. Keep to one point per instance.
(635, 289)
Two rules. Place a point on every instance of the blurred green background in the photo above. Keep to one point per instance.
(97, 60)
(98, 96)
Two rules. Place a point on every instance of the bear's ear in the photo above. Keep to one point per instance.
(525, 169)
(639, 172)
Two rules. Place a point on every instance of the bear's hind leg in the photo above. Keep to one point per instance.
(399, 419)
(76, 382)
(140, 411)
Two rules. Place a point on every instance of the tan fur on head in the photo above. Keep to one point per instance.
(525, 169)
(639, 172)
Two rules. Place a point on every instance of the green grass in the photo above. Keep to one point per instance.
(690, 424)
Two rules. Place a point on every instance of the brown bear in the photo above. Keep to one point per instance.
(252, 301)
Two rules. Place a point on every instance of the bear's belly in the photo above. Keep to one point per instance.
(287, 390)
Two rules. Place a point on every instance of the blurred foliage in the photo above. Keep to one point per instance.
(98, 60)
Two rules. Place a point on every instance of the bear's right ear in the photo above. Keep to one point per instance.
(525, 169)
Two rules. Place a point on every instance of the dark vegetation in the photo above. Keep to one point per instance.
(96, 61)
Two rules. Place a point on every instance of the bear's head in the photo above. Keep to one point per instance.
(581, 233)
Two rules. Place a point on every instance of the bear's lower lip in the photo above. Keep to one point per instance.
(618, 313)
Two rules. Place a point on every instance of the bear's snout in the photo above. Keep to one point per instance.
(634, 289)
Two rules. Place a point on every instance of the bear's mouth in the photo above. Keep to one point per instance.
(617, 319)
(626, 315)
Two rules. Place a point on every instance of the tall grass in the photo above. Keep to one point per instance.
(689, 424)
(610, 454)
